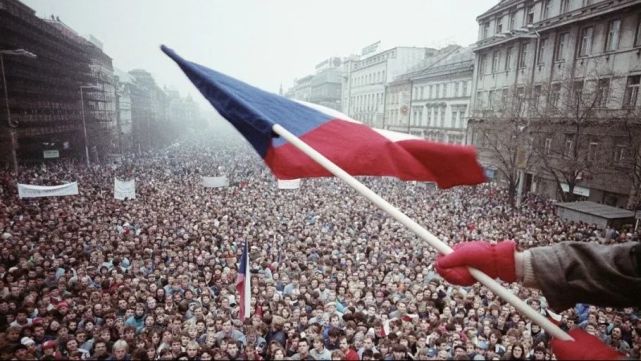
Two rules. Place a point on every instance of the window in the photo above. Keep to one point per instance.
(548, 146)
(504, 95)
(545, 10)
(499, 25)
(585, 47)
(456, 89)
(464, 87)
(577, 90)
(495, 61)
(561, 40)
(442, 117)
(536, 96)
(593, 151)
(444, 90)
(612, 41)
(429, 92)
(565, 6)
(619, 153)
(512, 21)
(429, 117)
(490, 99)
(555, 94)
(637, 33)
(529, 16)
(438, 91)
(508, 58)
(602, 92)
(631, 92)
(541, 56)
(568, 150)
(522, 55)
(454, 118)
(486, 30)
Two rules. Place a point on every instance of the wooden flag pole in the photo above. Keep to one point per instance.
(443, 248)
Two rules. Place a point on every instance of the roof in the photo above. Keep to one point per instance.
(597, 209)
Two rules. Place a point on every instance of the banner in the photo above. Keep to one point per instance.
(289, 183)
(124, 189)
(33, 191)
(215, 182)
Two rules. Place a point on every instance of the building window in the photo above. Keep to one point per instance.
(565, 6)
(541, 56)
(504, 95)
(555, 95)
(637, 34)
(548, 146)
(529, 16)
(614, 30)
(619, 154)
(442, 117)
(454, 118)
(585, 47)
(499, 25)
(536, 96)
(545, 10)
(508, 58)
(445, 90)
(631, 92)
(602, 92)
(486, 30)
(522, 55)
(464, 88)
(438, 90)
(512, 21)
(429, 117)
(577, 90)
(490, 99)
(495, 61)
(593, 151)
(455, 89)
(560, 46)
(568, 150)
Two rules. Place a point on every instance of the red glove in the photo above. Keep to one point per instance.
(495, 260)
(584, 347)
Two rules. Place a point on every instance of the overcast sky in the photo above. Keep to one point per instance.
(262, 42)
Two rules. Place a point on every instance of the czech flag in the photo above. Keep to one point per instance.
(243, 285)
(351, 145)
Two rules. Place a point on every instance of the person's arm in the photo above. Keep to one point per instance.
(572, 272)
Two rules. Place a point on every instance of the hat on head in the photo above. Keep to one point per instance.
(27, 341)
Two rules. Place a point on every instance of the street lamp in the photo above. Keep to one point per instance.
(84, 124)
(12, 126)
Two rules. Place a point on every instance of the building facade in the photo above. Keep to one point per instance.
(433, 101)
(567, 73)
(43, 92)
(366, 78)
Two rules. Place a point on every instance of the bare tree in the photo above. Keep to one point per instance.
(568, 116)
(631, 152)
(504, 134)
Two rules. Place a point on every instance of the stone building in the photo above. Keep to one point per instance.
(563, 77)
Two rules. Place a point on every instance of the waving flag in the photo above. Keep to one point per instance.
(243, 285)
(353, 146)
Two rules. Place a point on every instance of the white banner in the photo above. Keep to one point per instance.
(288, 183)
(124, 189)
(215, 182)
(33, 191)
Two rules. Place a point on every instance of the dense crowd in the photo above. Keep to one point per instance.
(333, 277)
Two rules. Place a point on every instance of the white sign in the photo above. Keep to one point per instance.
(124, 189)
(579, 191)
(215, 182)
(33, 191)
(288, 183)
(49, 154)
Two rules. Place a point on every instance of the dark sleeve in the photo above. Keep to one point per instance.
(601, 275)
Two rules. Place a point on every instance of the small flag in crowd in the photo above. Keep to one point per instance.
(243, 285)
(352, 146)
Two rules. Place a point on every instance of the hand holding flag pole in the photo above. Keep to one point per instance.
(354, 149)
(433, 241)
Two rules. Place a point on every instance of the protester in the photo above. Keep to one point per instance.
(154, 277)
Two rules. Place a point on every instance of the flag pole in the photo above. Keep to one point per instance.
(433, 241)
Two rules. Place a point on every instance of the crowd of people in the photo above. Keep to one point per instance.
(333, 277)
